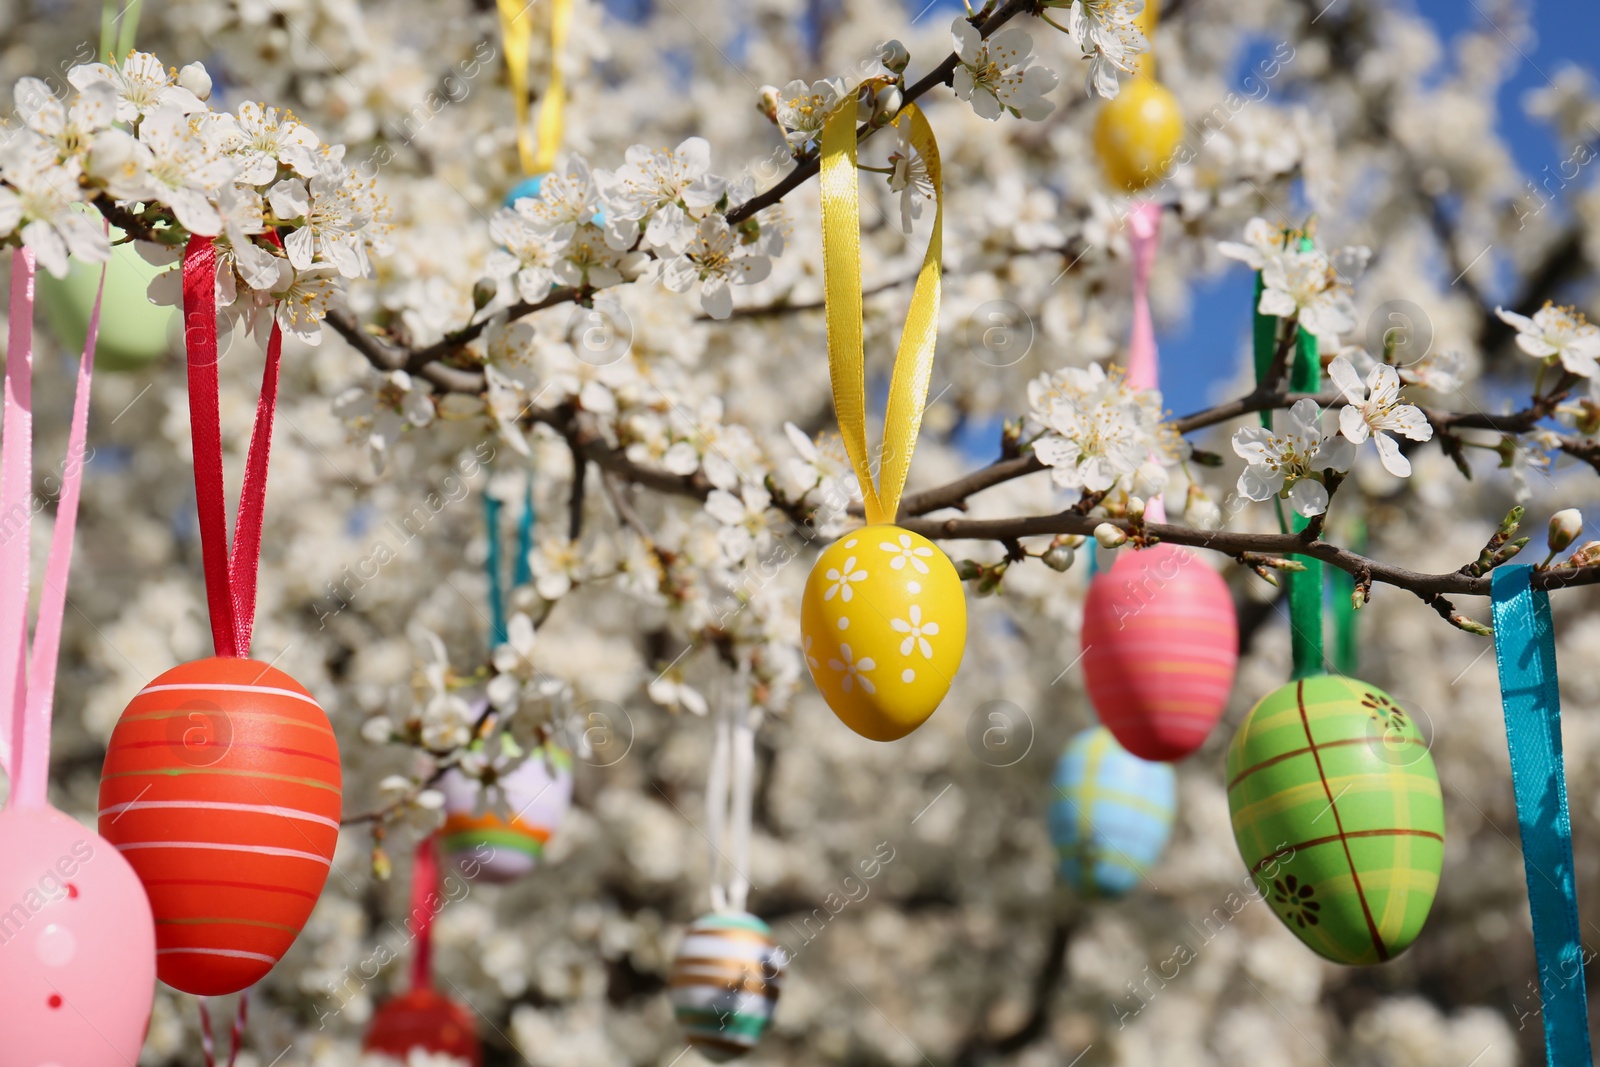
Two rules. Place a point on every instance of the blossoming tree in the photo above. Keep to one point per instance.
(620, 381)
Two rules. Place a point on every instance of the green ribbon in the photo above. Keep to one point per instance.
(1305, 587)
(1342, 585)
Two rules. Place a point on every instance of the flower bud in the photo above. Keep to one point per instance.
(886, 105)
(1585, 555)
(483, 291)
(1059, 557)
(1109, 536)
(1200, 510)
(968, 569)
(194, 78)
(768, 104)
(382, 867)
(893, 55)
(1565, 526)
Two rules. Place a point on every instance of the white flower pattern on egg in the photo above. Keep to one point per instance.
(904, 551)
(841, 580)
(917, 632)
(811, 661)
(854, 670)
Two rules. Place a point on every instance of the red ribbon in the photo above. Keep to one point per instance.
(230, 575)
(424, 894)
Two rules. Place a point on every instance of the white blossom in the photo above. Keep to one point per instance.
(141, 85)
(803, 110)
(999, 74)
(1375, 409)
(1558, 333)
(714, 260)
(1285, 462)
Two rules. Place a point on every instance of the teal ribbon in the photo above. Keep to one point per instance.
(491, 564)
(521, 568)
(1525, 649)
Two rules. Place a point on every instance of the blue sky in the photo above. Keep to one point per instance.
(1198, 353)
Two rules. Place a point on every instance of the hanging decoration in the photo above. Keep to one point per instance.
(1335, 802)
(883, 617)
(489, 847)
(728, 972)
(222, 783)
(421, 1018)
(136, 332)
(1338, 816)
(1160, 634)
(535, 150)
(1525, 652)
(77, 947)
(1111, 814)
(1138, 131)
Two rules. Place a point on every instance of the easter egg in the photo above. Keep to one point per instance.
(527, 187)
(490, 847)
(1337, 814)
(133, 331)
(1160, 644)
(77, 945)
(422, 1019)
(883, 622)
(725, 982)
(1137, 133)
(222, 788)
(1111, 814)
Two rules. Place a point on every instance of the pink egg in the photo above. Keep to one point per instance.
(1160, 643)
(77, 945)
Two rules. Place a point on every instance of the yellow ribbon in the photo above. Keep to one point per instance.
(516, 24)
(841, 277)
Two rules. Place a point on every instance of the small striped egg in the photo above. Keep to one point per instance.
(423, 1019)
(1111, 814)
(222, 789)
(1160, 644)
(725, 983)
(1338, 816)
(490, 847)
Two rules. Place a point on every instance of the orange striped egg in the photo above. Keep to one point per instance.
(1160, 644)
(222, 789)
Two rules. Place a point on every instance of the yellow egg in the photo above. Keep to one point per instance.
(883, 622)
(1137, 133)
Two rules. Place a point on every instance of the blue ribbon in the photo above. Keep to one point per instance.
(1525, 649)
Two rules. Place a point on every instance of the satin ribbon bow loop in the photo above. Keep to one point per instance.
(841, 273)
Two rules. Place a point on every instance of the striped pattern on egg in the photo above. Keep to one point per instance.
(222, 789)
(1111, 814)
(489, 846)
(1160, 645)
(1338, 816)
(725, 983)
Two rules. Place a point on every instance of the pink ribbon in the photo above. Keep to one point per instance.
(1144, 366)
(31, 687)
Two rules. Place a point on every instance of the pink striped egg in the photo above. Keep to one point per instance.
(1160, 644)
